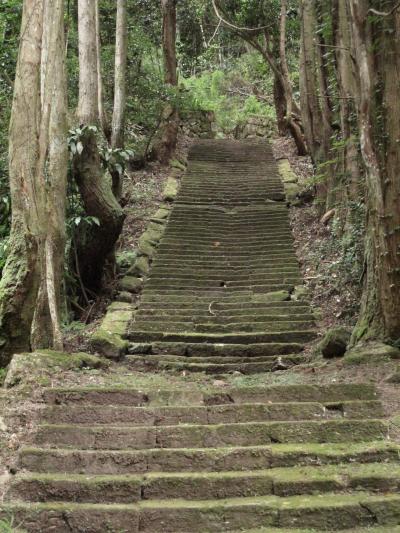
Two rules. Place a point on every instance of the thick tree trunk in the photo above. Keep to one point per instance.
(98, 242)
(169, 127)
(379, 66)
(31, 286)
(118, 120)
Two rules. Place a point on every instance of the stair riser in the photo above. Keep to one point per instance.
(216, 518)
(247, 395)
(249, 338)
(196, 487)
(252, 434)
(141, 462)
(151, 325)
(222, 414)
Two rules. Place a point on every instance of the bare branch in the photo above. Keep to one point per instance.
(384, 13)
(230, 24)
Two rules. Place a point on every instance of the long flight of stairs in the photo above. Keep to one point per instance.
(197, 458)
(219, 293)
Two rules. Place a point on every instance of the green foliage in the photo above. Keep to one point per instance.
(7, 526)
(228, 94)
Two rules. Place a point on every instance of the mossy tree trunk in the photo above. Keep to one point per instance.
(377, 52)
(95, 245)
(31, 286)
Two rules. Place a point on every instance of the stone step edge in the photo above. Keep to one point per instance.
(365, 390)
(371, 504)
(281, 482)
(321, 409)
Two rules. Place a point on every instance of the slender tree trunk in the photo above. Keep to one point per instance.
(169, 127)
(94, 247)
(31, 286)
(280, 106)
(118, 121)
(291, 106)
(100, 97)
(347, 90)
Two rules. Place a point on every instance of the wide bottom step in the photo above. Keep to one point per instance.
(330, 512)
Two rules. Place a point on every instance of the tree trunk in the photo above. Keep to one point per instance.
(291, 106)
(349, 165)
(169, 127)
(93, 248)
(379, 66)
(280, 107)
(118, 121)
(31, 286)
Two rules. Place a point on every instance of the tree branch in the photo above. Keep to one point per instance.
(230, 24)
(384, 13)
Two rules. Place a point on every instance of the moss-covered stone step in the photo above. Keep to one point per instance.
(301, 336)
(220, 349)
(254, 282)
(235, 308)
(221, 326)
(272, 364)
(331, 511)
(174, 236)
(220, 318)
(233, 396)
(219, 273)
(194, 289)
(209, 436)
(105, 462)
(209, 414)
(283, 482)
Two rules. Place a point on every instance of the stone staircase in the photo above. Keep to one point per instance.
(285, 457)
(219, 293)
(197, 458)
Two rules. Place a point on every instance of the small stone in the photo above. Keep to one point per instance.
(292, 191)
(109, 344)
(124, 296)
(142, 265)
(171, 189)
(334, 343)
(219, 383)
(174, 163)
(301, 293)
(130, 284)
(276, 296)
(286, 172)
(371, 352)
(125, 259)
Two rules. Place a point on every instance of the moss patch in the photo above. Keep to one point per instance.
(25, 367)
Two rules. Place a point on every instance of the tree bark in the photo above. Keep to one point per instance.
(118, 120)
(379, 66)
(96, 244)
(169, 127)
(31, 286)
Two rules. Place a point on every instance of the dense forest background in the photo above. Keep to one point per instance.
(322, 73)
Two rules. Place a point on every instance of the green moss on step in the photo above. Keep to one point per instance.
(28, 367)
(171, 189)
